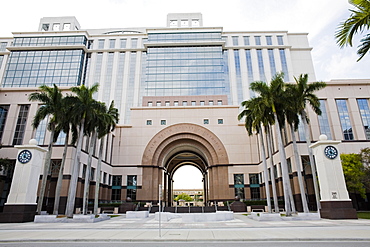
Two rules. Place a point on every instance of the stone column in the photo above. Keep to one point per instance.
(335, 202)
(21, 204)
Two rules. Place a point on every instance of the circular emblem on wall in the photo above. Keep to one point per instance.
(24, 156)
(331, 152)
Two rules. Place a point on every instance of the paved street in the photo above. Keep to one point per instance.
(139, 232)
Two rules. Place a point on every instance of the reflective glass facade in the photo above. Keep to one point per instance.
(363, 106)
(50, 41)
(324, 120)
(184, 37)
(344, 119)
(35, 68)
(3, 114)
(185, 70)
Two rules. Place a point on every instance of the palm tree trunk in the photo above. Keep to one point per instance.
(46, 170)
(299, 171)
(267, 186)
(289, 204)
(98, 178)
(312, 161)
(74, 173)
(273, 183)
(60, 176)
(85, 201)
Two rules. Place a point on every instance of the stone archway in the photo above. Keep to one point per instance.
(177, 139)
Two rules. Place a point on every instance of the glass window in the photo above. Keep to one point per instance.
(257, 40)
(41, 131)
(21, 124)
(201, 102)
(193, 103)
(206, 121)
(131, 186)
(123, 43)
(101, 43)
(45, 27)
(254, 178)
(210, 102)
(56, 26)
(167, 103)
(163, 122)
(284, 64)
(261, 66)
(238, 76)
(219, 102)
(134, 43)
(184, 23)
(66, 26)
(176, 103)
(159, 103)
(239, 185)
(150, 104)
(280, 40)
(220, 121)
(268, 40)
(246, 40)
(3, 114)
(184, 103)
(363, 106)
(148, 122)
(112, 43)
(235, 40)
(195, 23)
(344, 119)
(272, 62)
(324, 120)
(116, 187)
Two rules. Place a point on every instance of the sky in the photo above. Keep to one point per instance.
(318, 18)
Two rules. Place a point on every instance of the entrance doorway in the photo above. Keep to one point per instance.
(186, 179)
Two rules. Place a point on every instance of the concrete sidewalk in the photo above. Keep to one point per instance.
(121, 229)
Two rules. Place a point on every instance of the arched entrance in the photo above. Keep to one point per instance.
(178, 145)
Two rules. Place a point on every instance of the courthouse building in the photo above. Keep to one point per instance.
(178, 89)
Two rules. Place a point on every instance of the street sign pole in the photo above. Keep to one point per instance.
(159, 213)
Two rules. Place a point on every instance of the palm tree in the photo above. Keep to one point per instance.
(358, 21)
(272, 96)
(293, 121)
(303, 94)
(106, 124)
(83, 109)
(91, 130)
(254, 114)
(66, 125)
(51, 99)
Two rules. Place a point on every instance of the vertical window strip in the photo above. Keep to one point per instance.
(119, 81)
(261, 66)
(250, 69)
(344, 119)
(21, 125)
(108, 78)
(324, 120)
(98, 66)
(41, 131)
(363, 106)
(130, 87)
(268, 40)
(246, 40)
(284, 64)
(238, 76)
(134, 43)
(280, 40)
(123, 43)
(1, 60)
(301, 132)
(272, 62)
(3, 115)
(257, 40)
(235, 40)
(101, 43)
(61, 138)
